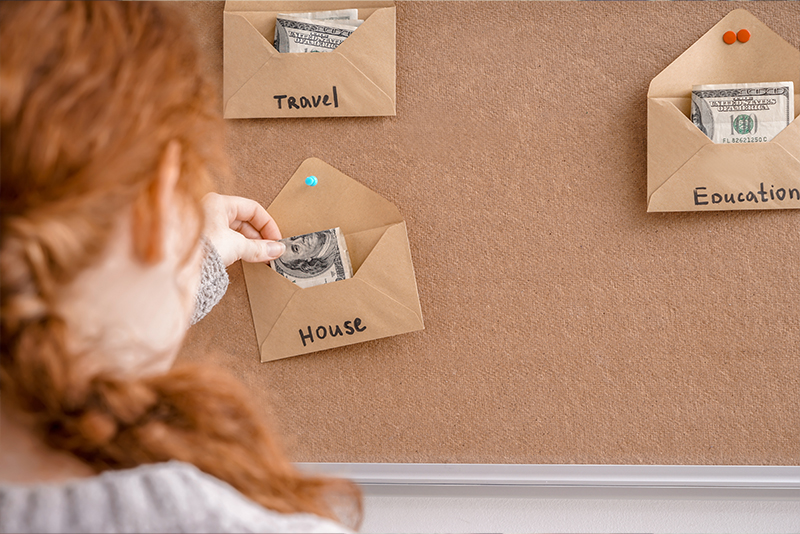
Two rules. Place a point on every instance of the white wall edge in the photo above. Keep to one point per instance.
(569, 480)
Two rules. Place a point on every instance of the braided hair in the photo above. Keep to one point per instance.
(93, 92)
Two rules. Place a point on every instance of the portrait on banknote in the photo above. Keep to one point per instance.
(315, 258)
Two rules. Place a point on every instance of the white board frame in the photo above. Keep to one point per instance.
(570, 480)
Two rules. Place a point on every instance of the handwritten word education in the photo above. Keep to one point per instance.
(701, 198)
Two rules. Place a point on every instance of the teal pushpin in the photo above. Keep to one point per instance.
(312, 181)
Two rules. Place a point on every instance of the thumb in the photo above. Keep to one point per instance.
(261, 250)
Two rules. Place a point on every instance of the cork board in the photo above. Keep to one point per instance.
(564, 324)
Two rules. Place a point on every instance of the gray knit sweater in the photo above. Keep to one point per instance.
(166, 497)
(213, 282)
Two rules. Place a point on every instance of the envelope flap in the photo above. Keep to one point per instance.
(671, 140)
(336, 200)
(375, 38)
(334, 308)
(389, 269)
(360, 245)
(285, 73)
(732, 176)
(268, 293)
(789, 138)
(244, 53)
(766, 57)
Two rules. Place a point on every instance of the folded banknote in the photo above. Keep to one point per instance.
(315, 258)
(743, 112)
(320, 31)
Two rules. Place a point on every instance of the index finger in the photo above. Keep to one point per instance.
(250, 211)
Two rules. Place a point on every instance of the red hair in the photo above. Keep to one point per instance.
(92, 94)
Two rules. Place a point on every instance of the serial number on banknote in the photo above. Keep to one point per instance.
(746, 140)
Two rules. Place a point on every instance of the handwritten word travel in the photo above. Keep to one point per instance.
(293, 102)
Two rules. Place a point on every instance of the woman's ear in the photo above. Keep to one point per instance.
(151, 211)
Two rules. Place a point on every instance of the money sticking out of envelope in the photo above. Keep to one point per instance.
(743, 112)
(319, 31)
(686, 170)
(380, 299)
(356, 78)
(315, 258)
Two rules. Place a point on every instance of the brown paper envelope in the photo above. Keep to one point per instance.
(382, 294)
(362, 68)
(683, 162)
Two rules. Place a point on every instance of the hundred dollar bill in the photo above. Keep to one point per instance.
(743, 112)
(315, 258)
(339, 14)
(348, 17)
(299, 34)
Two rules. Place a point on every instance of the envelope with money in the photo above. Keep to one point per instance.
(380, 299)
(357, 78)
(686, 171)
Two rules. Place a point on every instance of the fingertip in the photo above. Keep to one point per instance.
(275, 249)
(261, 251)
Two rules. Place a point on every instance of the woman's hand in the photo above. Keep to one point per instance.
(241, 229)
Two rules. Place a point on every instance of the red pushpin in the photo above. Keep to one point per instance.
(729, 37)
(743, 36)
